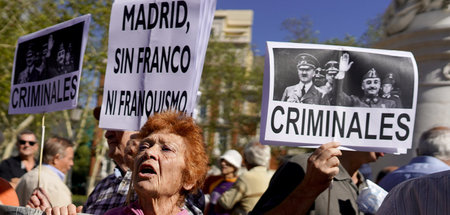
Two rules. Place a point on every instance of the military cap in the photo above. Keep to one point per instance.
(389, 79)
(372, 73)
(332, 67)
(305, 59)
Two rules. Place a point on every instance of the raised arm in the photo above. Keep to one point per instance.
(322, 167)
(344, 66)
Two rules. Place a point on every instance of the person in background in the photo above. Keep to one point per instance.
(230, 163)
(58, 159)
(243, 195)
(112, 191)
(433, 155)
(292, 190)
(423, 195)
(13, 168)
(384, 172)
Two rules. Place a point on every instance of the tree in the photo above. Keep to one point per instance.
(300, 30)
(228, 87)
(23, 17)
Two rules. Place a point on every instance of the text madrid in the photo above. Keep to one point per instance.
(328, 123)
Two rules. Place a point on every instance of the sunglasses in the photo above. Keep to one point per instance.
(23, 142)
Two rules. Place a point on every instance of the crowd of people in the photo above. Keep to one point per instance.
(162, 169)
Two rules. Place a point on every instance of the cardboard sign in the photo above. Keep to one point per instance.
(363, 98)
(155, 59)
(47, 68)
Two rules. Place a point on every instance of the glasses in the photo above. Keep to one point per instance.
(23, 142)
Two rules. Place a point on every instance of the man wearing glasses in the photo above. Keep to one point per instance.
(13, 168)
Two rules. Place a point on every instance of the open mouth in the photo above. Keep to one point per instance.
(146, 169)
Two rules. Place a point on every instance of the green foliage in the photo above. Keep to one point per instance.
(19, 18)
(374, 32)
(79, 199)
(228, 82)
(300, 30)
(81, 169)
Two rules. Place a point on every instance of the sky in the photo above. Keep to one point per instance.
(331, 18)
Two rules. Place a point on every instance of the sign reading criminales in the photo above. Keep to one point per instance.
(362, 98)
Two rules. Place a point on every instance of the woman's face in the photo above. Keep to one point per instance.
(159, 165)
(226, 168)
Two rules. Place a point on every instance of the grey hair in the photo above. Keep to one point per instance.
(257, 154)
(53, 146)
(435, 142)
(24, 132)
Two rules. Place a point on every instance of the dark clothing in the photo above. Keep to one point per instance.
(352, 101)
(343, 193)
(12, 168)
(110, 192)
(395, 98)
(312, 96)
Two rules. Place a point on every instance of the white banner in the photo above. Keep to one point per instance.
(47, 68)
(155, 58)
(363, 98)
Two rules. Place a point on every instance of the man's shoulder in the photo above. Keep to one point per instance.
(301, 159)
(11, 160)
(33, 173)
(389, 103)
(106, 182)
(292, 87)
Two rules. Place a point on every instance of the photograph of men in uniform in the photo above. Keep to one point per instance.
(304, 91)
(371, 85)
(388, 91)
(324, 81)
(24, 74)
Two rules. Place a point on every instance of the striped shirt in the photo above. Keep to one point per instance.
(429, 194)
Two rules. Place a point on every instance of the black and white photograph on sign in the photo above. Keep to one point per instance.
(49, 55)
(342, 78)
(47, 68)
(363, 98)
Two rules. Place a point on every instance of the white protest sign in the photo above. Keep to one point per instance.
(155, 58)
(363, 98)
(47, 68)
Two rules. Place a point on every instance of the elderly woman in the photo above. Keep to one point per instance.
(230, 163)
(245, 193)
(171, 163)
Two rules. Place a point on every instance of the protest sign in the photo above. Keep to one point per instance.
(363, 98)
(155, 57)
(47, 68)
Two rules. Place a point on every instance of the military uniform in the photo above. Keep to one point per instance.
(389, 79)
(312, 96)
(304, 92)
(366, 101)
